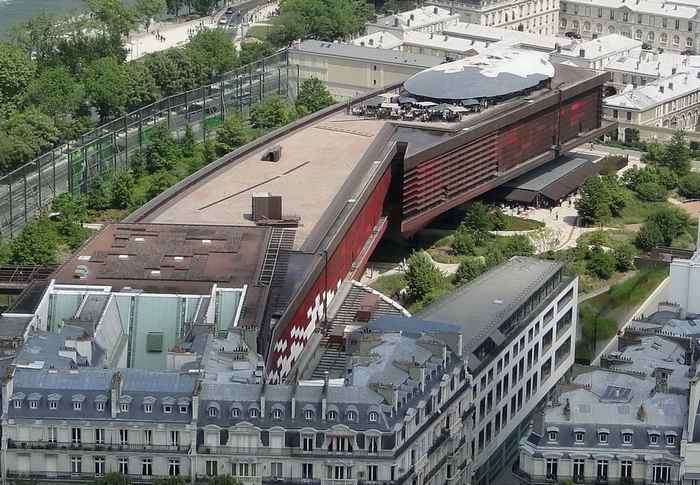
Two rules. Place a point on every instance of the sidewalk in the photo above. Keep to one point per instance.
(173, 35)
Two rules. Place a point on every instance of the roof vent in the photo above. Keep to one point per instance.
(267, 207)
(670, 86)
(81, 271)
(661, 89)
(275, 153)
(435, 10)
(396, 21)
(362, 43)
(123, 256)
(498, 302)
(139, 239)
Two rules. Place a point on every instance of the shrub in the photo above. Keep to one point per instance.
(463, 242)
(468, 270)
(422, 276)
(601, 263)
(651, 192)
(624, 257)
(689, 185)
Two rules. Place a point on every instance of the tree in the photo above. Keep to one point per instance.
(160, 182)
(202, 7)
(113, 479)
(113, 16)
(232, 133)
(214, 51)
(545, 239)
(671, 222)
(16, 72)
(174, 70)
(123, 190)
(676, 156)
(624, 257)
(23, 135)
(174, 6)
(478, 217)
(494, 257)
(518, 245)
(147, 10)
(56, 92)
(70, 212)
(313, 95)
(600, 199)
(271, 113)
(188, 142)
(463, 242)
(162, 152)
(422, 276)
(141, 86)
(468, 270)
(601, 263)
(37, 243)
(648, 237)
(107, 86)
(224, 480)
(651, 192)
(286, 29)
(689, 185)
(254, 51)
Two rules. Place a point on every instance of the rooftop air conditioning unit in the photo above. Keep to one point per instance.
(267, 207)
(273, 154)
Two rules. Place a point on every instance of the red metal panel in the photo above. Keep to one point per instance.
(292, 340)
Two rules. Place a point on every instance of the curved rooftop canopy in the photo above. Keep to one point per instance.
(484, 76)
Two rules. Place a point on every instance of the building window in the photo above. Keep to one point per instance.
(123, 436)
(75, 436)
(372, 473)
(17, 404)
(628, 116)
(147, 437)
(676, 40)
(351, 416)
(615, 113)
(123, 465)
(175, 438)
(638, 34)
(670, 440)
(77, 406)
(147, 467)
(183, 409)
(235, 412)
(603, 437)
(276, 469)
(661, 473)
(373, 417)
(33, 404)
(677, 24)
(52, 435)
(212, 412)
(76, 464)
(579, 467)
(552, 435)
(625, 16)
(664, 38)
(578, 435)
(277, 413)
(99, 436)
(332, 416)
(174, 467)
(254, 412)
(167, 409)
(373, 444)
(308, 414)
(100, 406)
(308, 443)
(124, 407)
(689, 42)
(551, 468)
(148, 408)
(625, 469)
(307, 470)
(602, 470)
(99, 465)
(653, 439)
(212, 467)
(53, 404)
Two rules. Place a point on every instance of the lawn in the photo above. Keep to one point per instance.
(514, 223)
(389, 285)
(259, 32)
(636, 210)
(601, 316)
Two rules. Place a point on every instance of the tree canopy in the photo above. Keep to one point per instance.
(313, 95)
(16, 73)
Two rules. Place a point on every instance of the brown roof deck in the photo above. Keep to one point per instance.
(163, 258)
(316, 163)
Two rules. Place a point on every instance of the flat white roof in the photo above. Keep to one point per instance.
(416, 18)
(510, 37)
(652, 94)
(604, 46)
(653, 7)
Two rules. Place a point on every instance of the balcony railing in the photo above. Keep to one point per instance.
(52, 445)
(266, 451)
(439, 441)
(290, 481)
(545, 480)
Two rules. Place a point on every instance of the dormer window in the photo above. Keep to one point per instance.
(53, 405)
(579, 436)
(100, 406)
(627, 439)
(124, 407)
(332, 416)
(277, 413)
(552, 435)
(373, 417)
(213, 412)
(33, 404)
(77, 406)
(670, 440)
(183, 409)
(254, 412)
(603, 437)
(148, 408)
(653, 439)
(308, 415)
(168, 409)
(352, 416)
(235, 412)
(17, 404)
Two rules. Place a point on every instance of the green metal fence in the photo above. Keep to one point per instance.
(77, 165)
